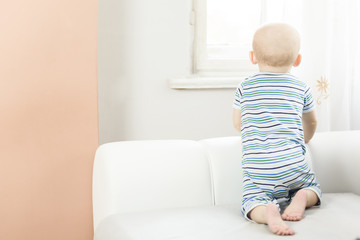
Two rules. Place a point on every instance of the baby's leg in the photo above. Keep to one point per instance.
(270, 215)
(304, 198)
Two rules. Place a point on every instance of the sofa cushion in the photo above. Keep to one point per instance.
(337, 218)
(147, 175)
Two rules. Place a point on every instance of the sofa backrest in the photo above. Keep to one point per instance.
(145, 175)
(336, 160)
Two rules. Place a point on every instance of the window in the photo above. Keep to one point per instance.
(224, 30)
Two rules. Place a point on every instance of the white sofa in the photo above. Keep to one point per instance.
(190, 190)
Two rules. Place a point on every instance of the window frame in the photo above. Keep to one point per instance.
(204, 66)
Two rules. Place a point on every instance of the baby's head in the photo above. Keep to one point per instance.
(276, 46)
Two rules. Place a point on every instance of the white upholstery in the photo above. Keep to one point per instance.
(224, 156)
(224, 223)
(146, 175)
(337, 161)
(182, 189)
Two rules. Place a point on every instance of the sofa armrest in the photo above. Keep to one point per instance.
(336, 160)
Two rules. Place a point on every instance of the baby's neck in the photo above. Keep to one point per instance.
(266, 68)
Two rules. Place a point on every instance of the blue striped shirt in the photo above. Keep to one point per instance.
(271, 107)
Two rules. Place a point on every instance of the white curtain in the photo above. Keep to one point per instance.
(331, 60)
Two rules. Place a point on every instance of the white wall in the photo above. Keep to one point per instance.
(142, 44)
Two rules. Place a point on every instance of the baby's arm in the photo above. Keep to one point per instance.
(309, 124)
(237, 119)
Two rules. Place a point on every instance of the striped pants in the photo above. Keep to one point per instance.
(267, 181)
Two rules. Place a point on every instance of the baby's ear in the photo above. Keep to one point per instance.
(297, 61)
(252, 57)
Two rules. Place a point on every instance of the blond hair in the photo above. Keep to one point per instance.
(276, 45)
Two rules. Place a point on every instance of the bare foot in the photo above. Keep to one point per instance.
(295, 211)
(275, 223)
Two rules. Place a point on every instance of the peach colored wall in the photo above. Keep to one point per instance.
(48, 118)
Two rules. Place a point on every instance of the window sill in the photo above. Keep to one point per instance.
(205, 82)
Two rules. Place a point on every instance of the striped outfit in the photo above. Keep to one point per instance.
(273, 164)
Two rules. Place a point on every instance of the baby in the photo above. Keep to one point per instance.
(274, 111)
